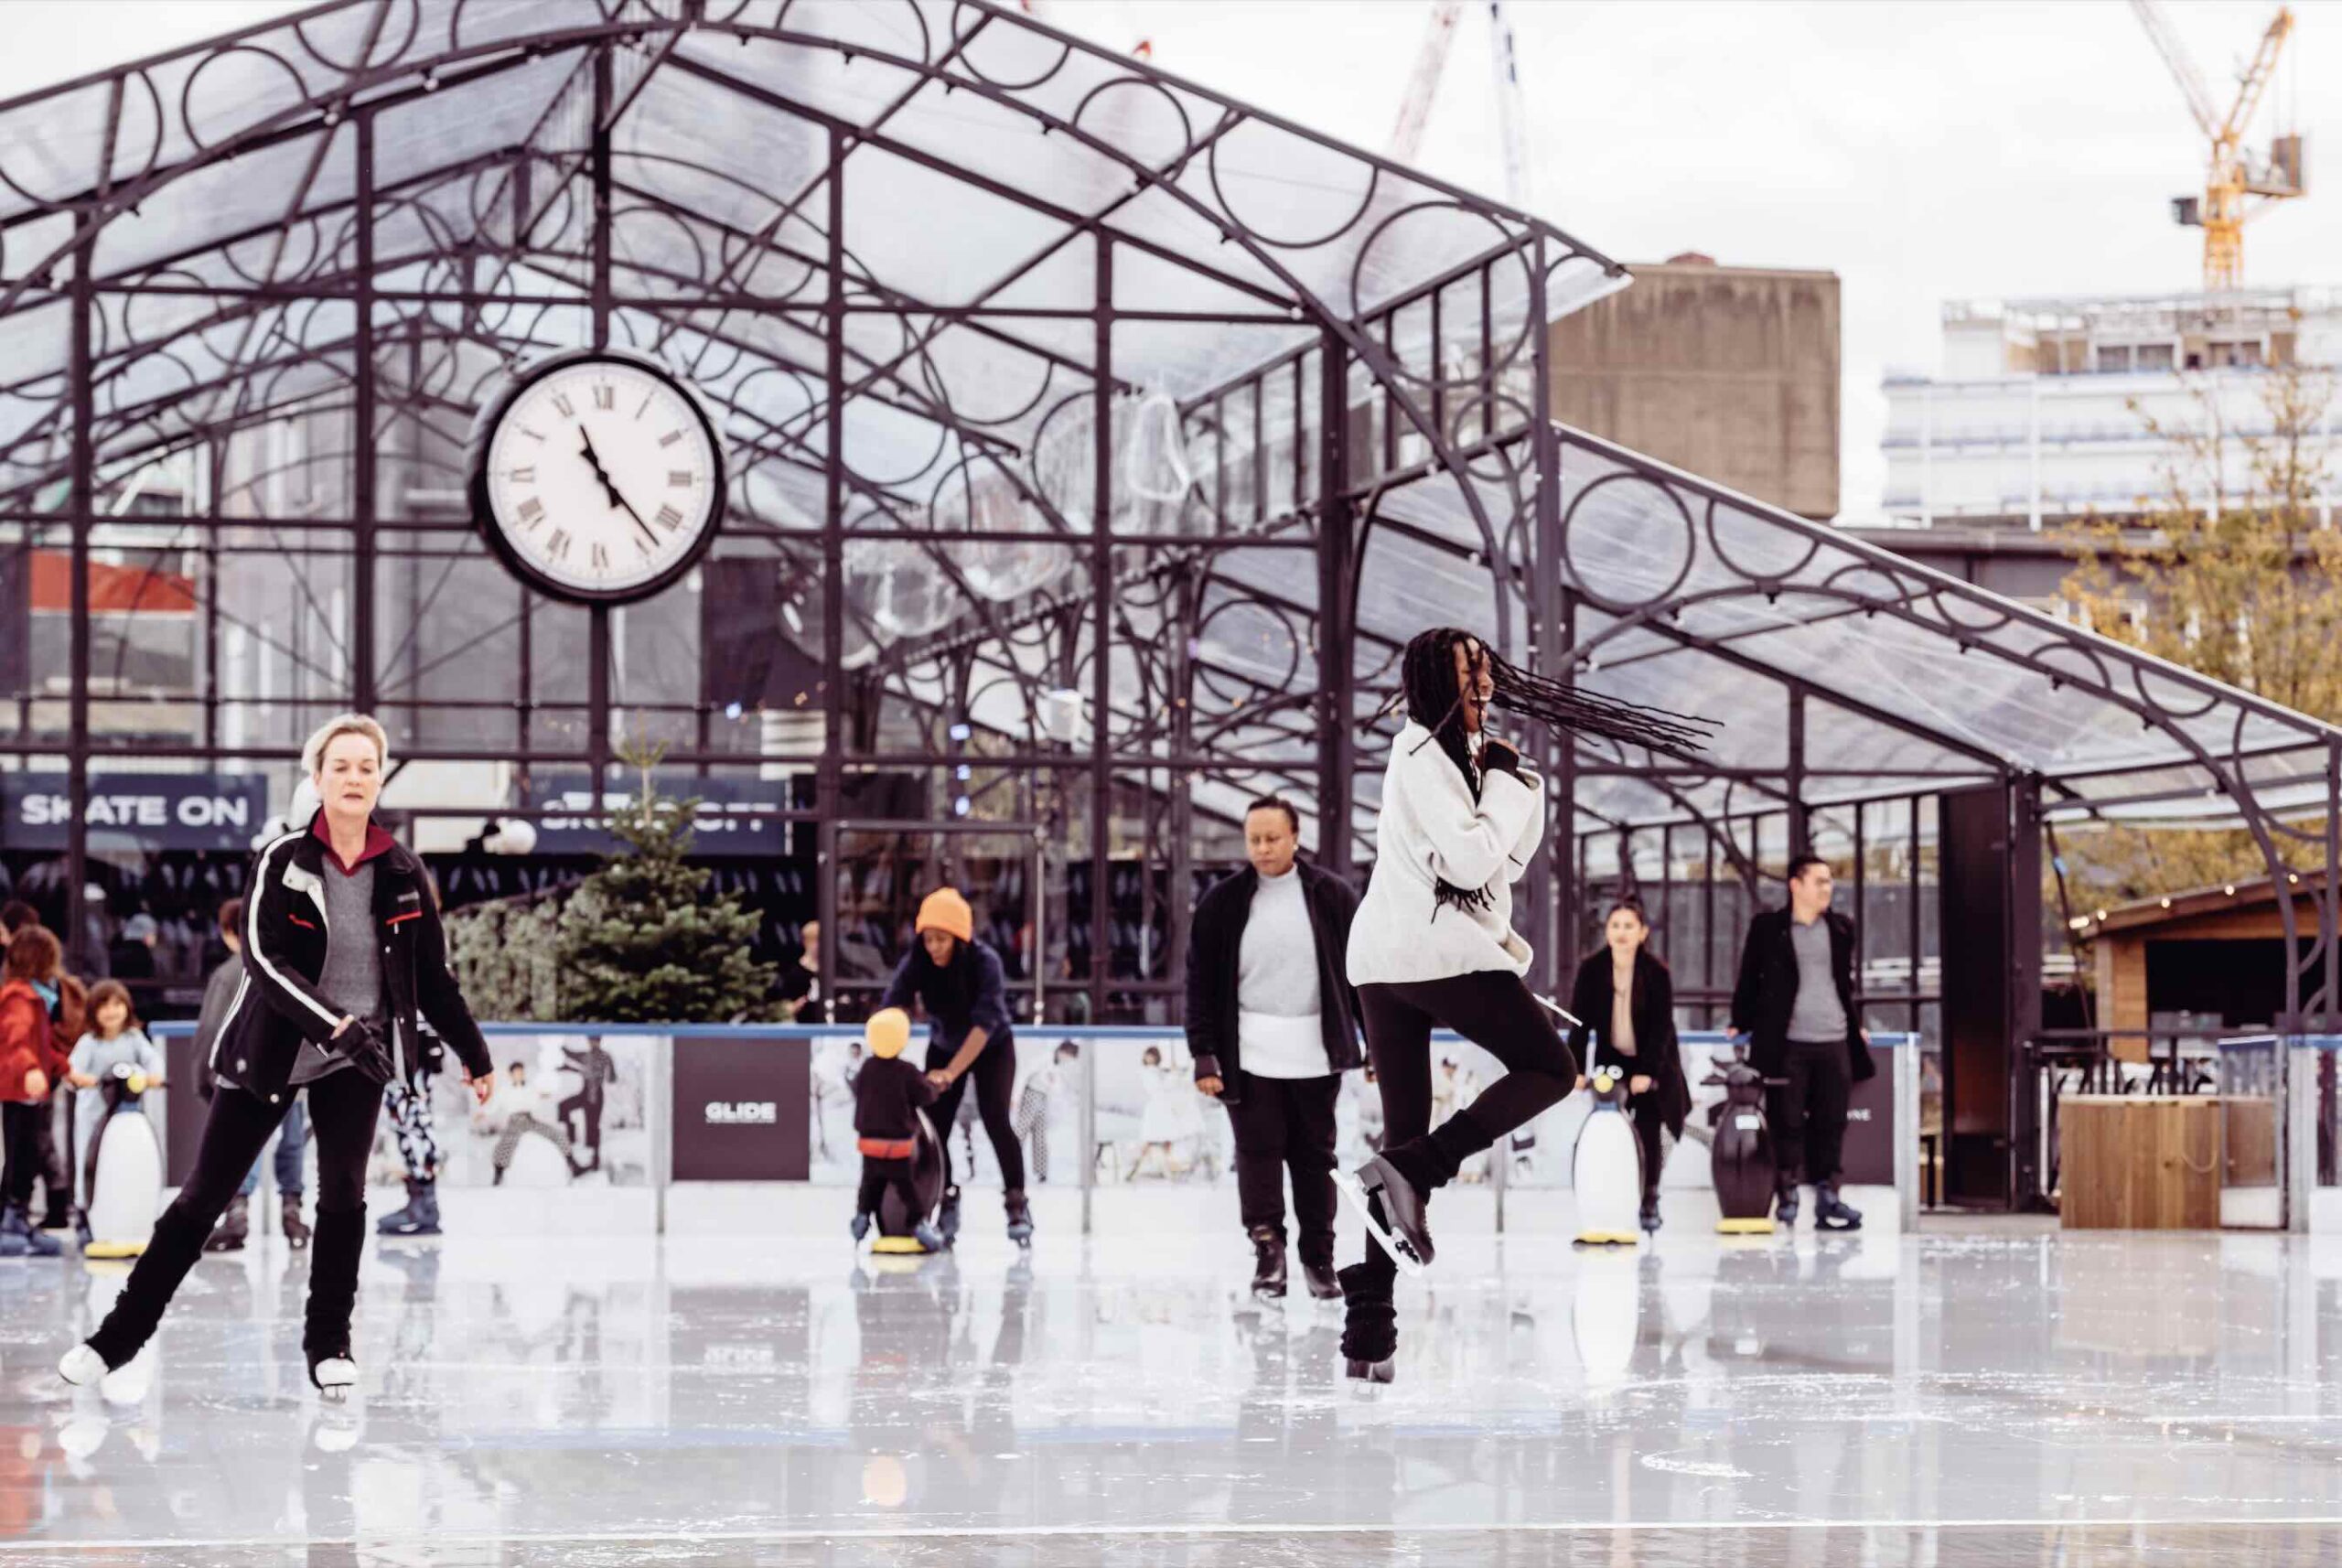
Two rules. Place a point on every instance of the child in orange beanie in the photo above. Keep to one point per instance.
(888, 1094)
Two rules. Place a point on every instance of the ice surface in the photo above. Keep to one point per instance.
(2011, 1395)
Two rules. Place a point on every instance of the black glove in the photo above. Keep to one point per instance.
(363, 1046)
(1500, 756)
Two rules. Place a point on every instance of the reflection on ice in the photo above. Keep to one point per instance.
(532, 1392)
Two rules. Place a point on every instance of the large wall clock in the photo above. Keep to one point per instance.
(596, 475)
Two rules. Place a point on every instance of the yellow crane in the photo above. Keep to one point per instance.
(2237, 186)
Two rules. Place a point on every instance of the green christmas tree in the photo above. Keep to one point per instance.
(642, 941)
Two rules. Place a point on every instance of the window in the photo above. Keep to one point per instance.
(2112, 359)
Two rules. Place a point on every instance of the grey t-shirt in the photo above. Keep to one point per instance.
(1819, 1016)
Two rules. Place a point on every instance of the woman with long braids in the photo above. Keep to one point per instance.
(1433, 943)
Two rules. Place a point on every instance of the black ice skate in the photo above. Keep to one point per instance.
(1831, 1212)
(1321, 1283)
(1651, 1220)
(1268, 1263)
(1785, 1207)
(1406, 1235)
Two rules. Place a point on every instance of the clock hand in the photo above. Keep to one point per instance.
(649, 539)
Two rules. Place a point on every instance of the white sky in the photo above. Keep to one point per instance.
(1922, 151)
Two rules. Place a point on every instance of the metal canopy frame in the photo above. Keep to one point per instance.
(1057, 385)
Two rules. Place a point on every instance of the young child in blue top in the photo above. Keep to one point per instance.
(114, 1039)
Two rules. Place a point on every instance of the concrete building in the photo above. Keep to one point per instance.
(2041, 411)
(1731, 372)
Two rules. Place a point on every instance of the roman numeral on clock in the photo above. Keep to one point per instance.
(670, 438)
(557, 547)
(562, 406)
(668, 518)
(601, 558)
(531, 513)
(605, 396)
(524, 476)
(678, 479)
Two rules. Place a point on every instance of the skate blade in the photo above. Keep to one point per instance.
(1381, 1371)
(1838, 1225)
(1353, 1189)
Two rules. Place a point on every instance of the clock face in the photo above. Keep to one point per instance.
(598, 478)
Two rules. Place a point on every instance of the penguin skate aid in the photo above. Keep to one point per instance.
(889, 1094)
(343, 951)
(1462, 816)
(960, 983)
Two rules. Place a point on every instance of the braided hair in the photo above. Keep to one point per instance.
(1434, 699)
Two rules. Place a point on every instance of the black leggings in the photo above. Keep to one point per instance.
(342, 1109)
(994, 1072)
(877, 1176)
(1494, 1010)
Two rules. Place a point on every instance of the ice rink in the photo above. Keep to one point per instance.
(2003, 1393)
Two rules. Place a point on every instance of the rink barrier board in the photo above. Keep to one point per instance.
(733, 1107)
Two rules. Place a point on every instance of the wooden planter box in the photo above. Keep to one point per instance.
(2138, 1162)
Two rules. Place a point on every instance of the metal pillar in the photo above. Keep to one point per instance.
(364, 476)
(1551, 897)
(82, 510)
(597, 634)
(1337, 580)
(829, 777)
(1101, 575)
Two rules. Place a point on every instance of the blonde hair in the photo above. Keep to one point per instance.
(313, 756)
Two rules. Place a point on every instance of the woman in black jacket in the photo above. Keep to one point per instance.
(342, 951)
(960, 983)
(1626, 1002)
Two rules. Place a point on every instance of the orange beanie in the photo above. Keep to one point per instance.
(944, 910)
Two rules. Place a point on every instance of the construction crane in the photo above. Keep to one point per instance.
(1422, 82)
(2237, 186)
(1423, 86)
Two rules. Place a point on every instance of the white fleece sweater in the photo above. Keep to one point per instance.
(1431, 829)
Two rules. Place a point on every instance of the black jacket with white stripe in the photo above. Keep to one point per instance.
(277, 1005)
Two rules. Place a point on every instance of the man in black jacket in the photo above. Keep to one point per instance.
(1272, 1024)
(1795, 1000)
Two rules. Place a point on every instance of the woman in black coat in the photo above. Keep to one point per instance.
(1638, 1037)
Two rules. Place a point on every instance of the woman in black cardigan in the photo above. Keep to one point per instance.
(1638, 1038)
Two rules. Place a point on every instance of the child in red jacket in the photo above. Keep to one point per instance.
(29, 1064)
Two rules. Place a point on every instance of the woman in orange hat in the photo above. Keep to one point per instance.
(960, 983)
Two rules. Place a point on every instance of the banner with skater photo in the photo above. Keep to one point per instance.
(568, 1108)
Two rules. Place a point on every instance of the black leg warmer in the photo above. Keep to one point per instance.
(1370, 1323)
(334, 1255)
(1433, 1160)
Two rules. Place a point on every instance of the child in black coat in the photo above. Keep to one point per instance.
(888, 1094)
